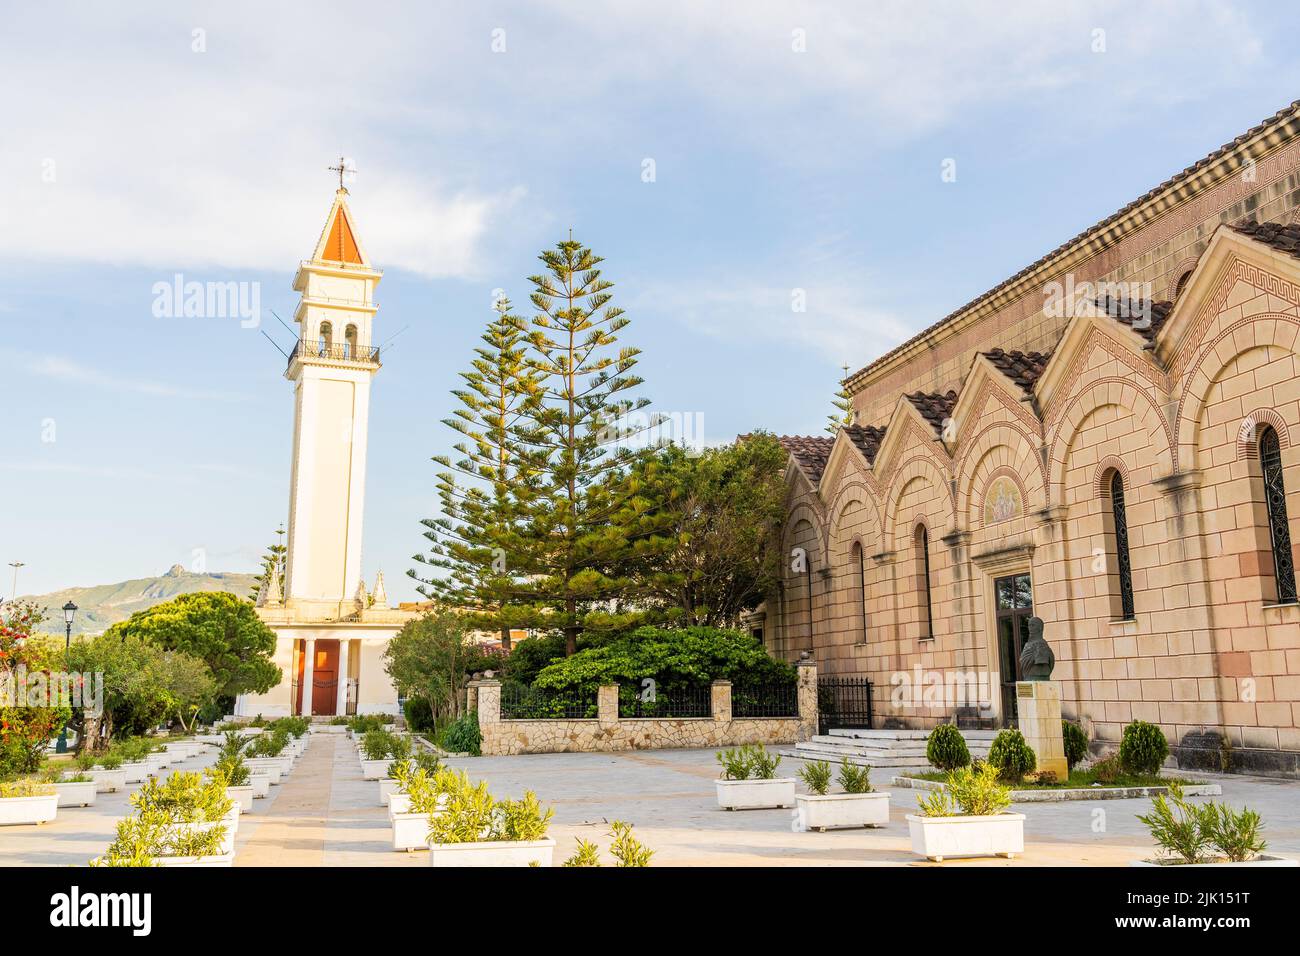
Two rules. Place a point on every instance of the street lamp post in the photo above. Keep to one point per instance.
(15, 565)
(69, 612)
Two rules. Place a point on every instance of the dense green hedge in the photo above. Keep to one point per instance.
(672, 658)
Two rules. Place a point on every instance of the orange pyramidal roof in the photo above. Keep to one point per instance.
(340, 245)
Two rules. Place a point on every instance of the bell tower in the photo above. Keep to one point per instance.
(331, 368)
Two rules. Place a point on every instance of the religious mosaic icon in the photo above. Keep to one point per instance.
(1002, 502)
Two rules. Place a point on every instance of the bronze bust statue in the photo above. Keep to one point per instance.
(1036, 658)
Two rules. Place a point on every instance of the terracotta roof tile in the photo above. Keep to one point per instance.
(1277, 118)
(867, 438)
(811, 452)
(1145, 318)
(1281, 237)
(1023, 368)
(935, 408)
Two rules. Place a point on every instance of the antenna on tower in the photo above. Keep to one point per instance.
(273, 342)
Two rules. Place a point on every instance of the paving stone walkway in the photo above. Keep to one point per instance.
(324, 814)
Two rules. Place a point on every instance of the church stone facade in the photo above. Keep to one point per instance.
(1106, 440)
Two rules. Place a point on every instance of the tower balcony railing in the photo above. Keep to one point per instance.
(346, 352)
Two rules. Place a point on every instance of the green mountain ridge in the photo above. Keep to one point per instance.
(102, 605)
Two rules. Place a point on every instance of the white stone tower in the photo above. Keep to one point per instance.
(331, 369)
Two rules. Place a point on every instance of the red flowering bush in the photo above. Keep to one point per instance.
(24, 731)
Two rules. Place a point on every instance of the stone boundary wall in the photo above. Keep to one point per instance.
(608, 732)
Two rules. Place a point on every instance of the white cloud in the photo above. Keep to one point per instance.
(74, 373)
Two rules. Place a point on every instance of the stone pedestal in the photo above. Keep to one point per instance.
(1039, 706)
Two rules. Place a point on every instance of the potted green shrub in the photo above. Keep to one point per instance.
(422, 796)
(1209, 834)
(27, 801)
(379, 749)
(749, 780)
(235, 775)
(105, 769)
(474, 829)
(856, 805)
(266, 755)
(150, 838)
(967, 818)
(394, 784)
(132, 753)
(191, 805)
(75, 789)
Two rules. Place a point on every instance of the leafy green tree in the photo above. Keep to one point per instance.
(672, 658)
(582, 517)
(480, 488)
(273, 560)
(144, 685)
(218, 628)
(432, 657)
(843, 403)
(721, 512)
(26, 731)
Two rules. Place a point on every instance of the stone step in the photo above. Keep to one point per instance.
(858, 760)
(886, 735)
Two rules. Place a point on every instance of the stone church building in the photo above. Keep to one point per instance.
(1106, 440)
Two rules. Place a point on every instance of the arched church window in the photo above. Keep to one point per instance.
(1119, 542)
(858, 572)
(922, 542)
(1279, 532)
(326, 338)
(1182, 283)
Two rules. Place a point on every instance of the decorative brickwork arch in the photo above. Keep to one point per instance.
(1178, 277)
(1021, 446)
(980, 502)
(918, 467)
(1101, 479)
(1248, 435)
(848, 493)
(1108, 391)
(1254, 332)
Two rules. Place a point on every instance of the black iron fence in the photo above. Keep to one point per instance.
(345, 352)
(843, 702)
(764, 700)
(520, 702)
(694, 701)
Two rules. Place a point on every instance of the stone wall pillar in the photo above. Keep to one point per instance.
(341, 693)
(607, 704)
(807, 672)
(720, 700)
(1039, 706)
(471, 695)
(489, 702)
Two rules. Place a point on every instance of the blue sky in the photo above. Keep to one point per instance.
(150, 140)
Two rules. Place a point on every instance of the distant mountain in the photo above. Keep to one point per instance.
(103, 605)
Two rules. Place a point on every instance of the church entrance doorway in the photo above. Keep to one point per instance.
(325, 679)
(1013, 607)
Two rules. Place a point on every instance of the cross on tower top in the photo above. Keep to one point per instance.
(341, 169)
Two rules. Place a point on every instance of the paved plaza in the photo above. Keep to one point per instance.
(324, 814)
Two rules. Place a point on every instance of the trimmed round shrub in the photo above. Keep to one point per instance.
(1143, 748)
(1076, 743)
(419, 714)
(946, 748)
(1012, 756)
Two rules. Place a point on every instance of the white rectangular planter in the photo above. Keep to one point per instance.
(136, 772)
(261, 784)
(107, 781)
(500, 853)
(755, 794)
(410, 831)
(387, 787)
(227, 841)
(1261, 860)
(39, 809)
(77, 794)
(270, 771)
(243, 797)
(224, 859)
(399, 803)
(1002, 834)
(834, 811)
(375, 769)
